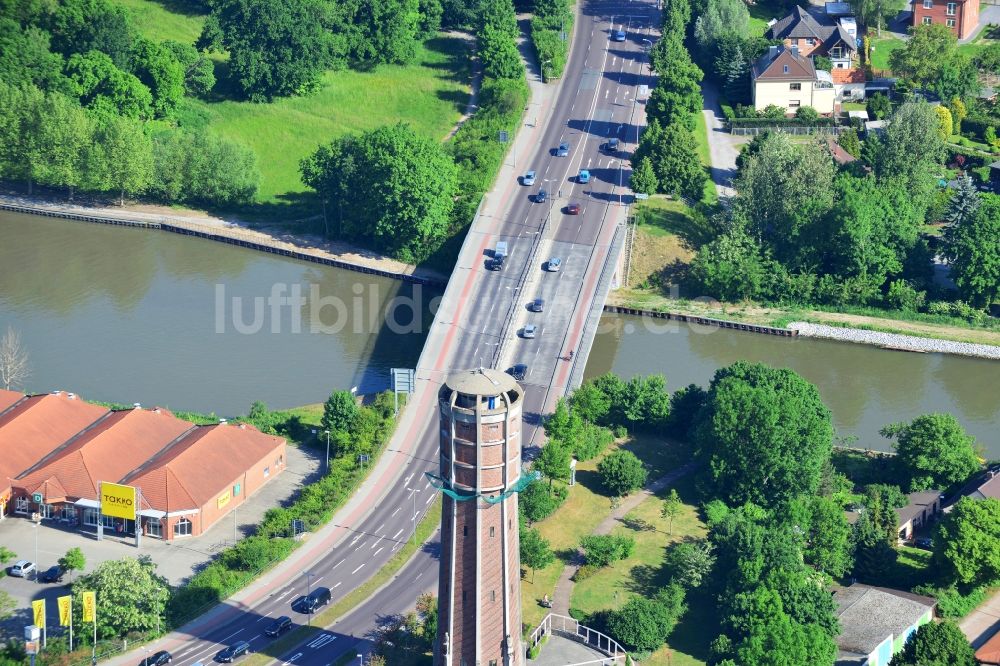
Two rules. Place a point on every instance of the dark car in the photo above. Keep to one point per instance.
(518, 372)
(573, 209)
(537, 305)
(541, 197)
(52, 574)
(280, 625)
(618, 36)
(157, 659)
(611, 146)
(924, 542)
(318, 597)
(563, 149)
(237, 649)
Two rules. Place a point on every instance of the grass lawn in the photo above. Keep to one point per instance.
(881, 48)
(643, 573)
(760, 14)
(166, 19)
(711, 195)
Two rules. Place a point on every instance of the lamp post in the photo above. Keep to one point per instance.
(309, 577)
(37, 523)
(413, 518)
(361, 659)
(327, 432)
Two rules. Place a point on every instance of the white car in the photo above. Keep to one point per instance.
(529, 331)
(555, 263)
(528, 179)
(22, 569)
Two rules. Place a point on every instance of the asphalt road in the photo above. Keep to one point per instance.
(596, 102)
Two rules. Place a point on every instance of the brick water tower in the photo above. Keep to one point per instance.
(479, 593)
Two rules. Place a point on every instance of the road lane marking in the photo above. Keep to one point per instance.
(378, 551)
(292, 658)
(337, 585)
(395, 512)
(337, 565)
(429, 499)
(323, 639)
(358, 569)
(397, 533)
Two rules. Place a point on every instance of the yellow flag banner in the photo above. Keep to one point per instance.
(38, 607)
(66, 610)
(89, 606)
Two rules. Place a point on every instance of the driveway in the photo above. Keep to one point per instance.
(723, 147)
(983, 622)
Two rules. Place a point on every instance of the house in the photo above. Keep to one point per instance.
(876, 621)
(786, 78)
(920, 509)
(989, 487)
(962, 16)
(988, 653)
(819, 35)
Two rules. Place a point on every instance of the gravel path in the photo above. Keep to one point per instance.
(895, 340)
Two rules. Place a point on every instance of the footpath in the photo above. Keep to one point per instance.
(564, 588)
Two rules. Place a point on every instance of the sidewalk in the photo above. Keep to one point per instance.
(979, 625)
(564, 588)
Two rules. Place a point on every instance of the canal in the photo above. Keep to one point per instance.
(864, 387)
(135, 315)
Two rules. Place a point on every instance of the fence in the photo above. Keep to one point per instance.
(707, 321)
(797, 130)
(567, 627)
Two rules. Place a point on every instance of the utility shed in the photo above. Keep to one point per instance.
(876, 621)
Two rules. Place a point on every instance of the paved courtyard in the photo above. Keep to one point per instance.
(176, 560)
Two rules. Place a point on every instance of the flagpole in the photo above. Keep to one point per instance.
(71, 624)
(93, 655)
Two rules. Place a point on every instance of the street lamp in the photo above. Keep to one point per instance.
(309, 577)
(413, 519)
(361, 659)
(327, 451)
(37, 523)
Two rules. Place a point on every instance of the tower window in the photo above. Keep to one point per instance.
(463, 596)
(465, 530)
(493, 595)
(493, 531)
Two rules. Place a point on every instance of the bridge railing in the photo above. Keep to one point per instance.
(567, 627)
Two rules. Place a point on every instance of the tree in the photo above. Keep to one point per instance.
(920, 58)
(827, 535)
(874, 557)
(385, 31)
(911, 148)
(132, 595)
(690, 562)
(63, 135)
(934, 451)
(958, 113)
(553, 462)
(730, 267)
(765, 435)
(535, 551)
(160, 71)
(720, 19)
(277, 47)
(499, 54)
(676, 163)
(672, 507)
(622, 473)
(14, 366)
(644, 624)
(879, 106)
(199, 72)
(964, 202)
(339, 412)
(122, 157)
(102, 86)
(974, 254)
(875, 13)
(536, 501)
(967, 541)
(203, 168)
(79, 26)
(936, 644)
(590, 403)
(956, 77)
(807, 114)
(848, 140)
(769, 636)
(601, 550)
(73, 560)
(25, 58)
(643, 180)
(390, 187)
(685, 403)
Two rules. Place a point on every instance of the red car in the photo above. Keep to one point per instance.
(573, 209)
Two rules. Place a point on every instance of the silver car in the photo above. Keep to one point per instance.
(555, 263)
(22, 569)
(529, 331)
(528, 179)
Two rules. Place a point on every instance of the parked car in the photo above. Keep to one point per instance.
(618, 36)
(541, 197)
(555, 263)
(529, 331)
(611, 146)
(537, 305)
(563, 149)
(22, 569)
(237, 649)
(281, 624)
(518, 372)
(573, 209)
(318, 597)
(53, 574)
(157, 659)
(528, 178)
(583, 177)
(924, 542)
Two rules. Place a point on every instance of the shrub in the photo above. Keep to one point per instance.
(807, 114)
(601, 550)
(537, 502)
(953, 603)
(622, 472)
(621, 432)
(902, 296)
(584, 572)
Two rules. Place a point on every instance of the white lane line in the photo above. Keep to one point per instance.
(337, 585)
(397, 533)
(292, 658)
(376, 542)
(407, 479)
(358, 569)
(429, 499)
(396, 511)
(266, 617)
(337, 565)
(378, 551)
(428, 485)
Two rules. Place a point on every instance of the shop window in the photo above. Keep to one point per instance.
(182, 528)
(45, 510)
(90, 517)
(154, 528)
(21, 505)
(69, 514)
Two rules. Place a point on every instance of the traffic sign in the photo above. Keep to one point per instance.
(37, 498)
(503, 136)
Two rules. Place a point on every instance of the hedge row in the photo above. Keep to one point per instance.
(782, 122)
(550, 31)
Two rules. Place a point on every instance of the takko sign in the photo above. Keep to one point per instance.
(118, 501)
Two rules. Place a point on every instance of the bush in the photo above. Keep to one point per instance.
(645, 624)
(584, 572)
(902, 296)
(622, 472)
(601, 550)
(807, 114)
(537, 502)
(621, 432)
(953, 603)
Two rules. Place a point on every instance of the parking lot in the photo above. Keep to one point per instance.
(176, 560)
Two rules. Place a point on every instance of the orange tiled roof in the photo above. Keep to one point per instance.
(108, 451)
(38, 425)
(8, 398)
(852, 75)
(201, 466)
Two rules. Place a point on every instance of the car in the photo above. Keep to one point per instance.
(541, 197)
(573, 209)
(157, 659)
(237, 649)
(537, 305)
(618, 36)
(53, 574)
(281, 624)
(528, 178)
(555, 263)
(518, 372)
(611, 146)
(563, 149)
(583, 177)
(22, 569)
(318, 597)
(529, 331)
(924, 542)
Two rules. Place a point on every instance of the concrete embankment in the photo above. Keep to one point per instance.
(705, 321)
(896, 341)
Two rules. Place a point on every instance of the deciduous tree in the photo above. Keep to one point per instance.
(936, 644)
(14, 369)
(973, 249)
(923, 53)
(73, 560)
(132, 596)
(967, 541)
(553, 461)
(690, 562)
(339, 411)
(199, 72)
(645, 624)
(934, 451)
(672, 507)
(622, 473)
(125, 154)
(535, 551)
(160, 71)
